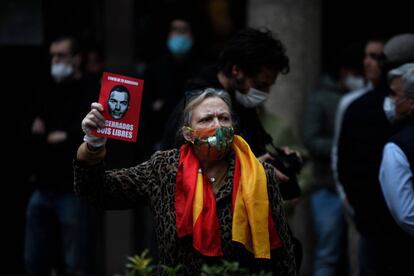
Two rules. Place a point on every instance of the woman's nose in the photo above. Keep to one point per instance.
(216, 122)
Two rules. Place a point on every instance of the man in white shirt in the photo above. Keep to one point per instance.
(396, 172)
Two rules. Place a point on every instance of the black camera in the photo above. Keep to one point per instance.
(290, 165)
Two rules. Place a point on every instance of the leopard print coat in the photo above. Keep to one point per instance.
(155, 180)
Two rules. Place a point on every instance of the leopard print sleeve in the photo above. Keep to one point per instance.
(284, 258)
(122, 188)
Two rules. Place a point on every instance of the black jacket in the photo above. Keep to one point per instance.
(62, 107)
(364, 132)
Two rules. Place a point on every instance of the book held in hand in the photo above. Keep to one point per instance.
(121, 98)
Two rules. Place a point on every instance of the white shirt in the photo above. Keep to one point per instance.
(396, 180)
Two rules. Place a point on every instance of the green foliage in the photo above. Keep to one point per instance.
(173, 271)
(140, 265)
(226, 269)
(229, 269)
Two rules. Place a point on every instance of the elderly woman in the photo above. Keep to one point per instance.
(212, 198)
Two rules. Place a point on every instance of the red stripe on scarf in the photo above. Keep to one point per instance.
(206, 236)
(206, 229)
(184, 194)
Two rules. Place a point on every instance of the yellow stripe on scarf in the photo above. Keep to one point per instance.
(198, 197)
(251, 210)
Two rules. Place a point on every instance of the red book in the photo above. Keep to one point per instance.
(121, 98)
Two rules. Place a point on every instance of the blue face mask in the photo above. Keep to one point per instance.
(179, 44)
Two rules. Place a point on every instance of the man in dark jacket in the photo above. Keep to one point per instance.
(56, 231)
(166, 76)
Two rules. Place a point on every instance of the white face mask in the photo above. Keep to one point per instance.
(390, 110)
(354, 83)
(253, 98)
(60, 71)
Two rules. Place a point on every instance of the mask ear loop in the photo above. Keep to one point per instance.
(186, 130)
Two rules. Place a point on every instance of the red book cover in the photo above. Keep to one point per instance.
(121, 98)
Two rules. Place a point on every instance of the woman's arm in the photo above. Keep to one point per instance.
(114, 189)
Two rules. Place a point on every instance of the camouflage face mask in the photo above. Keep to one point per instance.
(213, 143)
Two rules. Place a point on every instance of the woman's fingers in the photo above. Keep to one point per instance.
(97, 117)
(97, 106)
(94, 119)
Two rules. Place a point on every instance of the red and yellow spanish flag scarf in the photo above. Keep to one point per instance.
(196, 212)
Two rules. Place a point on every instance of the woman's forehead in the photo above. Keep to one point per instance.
(212, 104)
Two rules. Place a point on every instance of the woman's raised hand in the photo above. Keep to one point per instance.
(93, 120)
